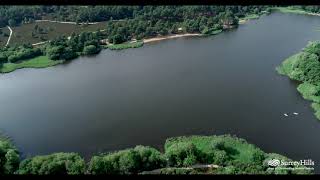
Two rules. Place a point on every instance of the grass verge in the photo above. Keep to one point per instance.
(290, 9)
(37, 62)
(125, 45)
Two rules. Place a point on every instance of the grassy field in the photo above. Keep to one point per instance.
(23, 33)
(125, 45)
(290, 9)
(37, 62)
(287, 65)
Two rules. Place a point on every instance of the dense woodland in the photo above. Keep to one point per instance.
(15, 15)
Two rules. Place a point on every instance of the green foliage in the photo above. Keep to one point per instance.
(182, 154)
(313, 47)
(18, 53)
(9, 157)
(37, 62)
(125, 45)
(58, 163)
(90, 49)
(127, 161)
(180, 151)
(305, 67)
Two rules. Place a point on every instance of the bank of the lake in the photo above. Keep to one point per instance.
(44, 61)
(37, 62)
(294, 10)
(248, 17)
(222, 154)
(115, 99)
(304, 67)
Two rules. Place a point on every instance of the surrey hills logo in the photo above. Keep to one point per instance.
(282, 164)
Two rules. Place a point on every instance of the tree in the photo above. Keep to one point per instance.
(129, 162)
(182, 154)
(117, 39)
(54, 52)
(12, 22)
(9, 157)
(90, 49)
(57, 163)
(12, 161)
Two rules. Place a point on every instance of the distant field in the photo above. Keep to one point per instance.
(23, 34)
(291, 9)
(3, 38)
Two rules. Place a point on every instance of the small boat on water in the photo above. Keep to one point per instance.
(295, 113)
(285, 114)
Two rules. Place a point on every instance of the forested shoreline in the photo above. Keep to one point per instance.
(135, 23)
(305, 68)
(222, 154)
(127, 27)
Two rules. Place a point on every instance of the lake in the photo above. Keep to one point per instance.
(224, 84)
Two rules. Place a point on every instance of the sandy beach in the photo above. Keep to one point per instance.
(169, 37)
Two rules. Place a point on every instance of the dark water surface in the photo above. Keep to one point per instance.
(217, 85)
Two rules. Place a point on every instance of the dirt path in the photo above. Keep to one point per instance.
(65, 22)
(9, 36)
(69, 22)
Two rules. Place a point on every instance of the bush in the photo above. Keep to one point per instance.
(3, 59)
(127, 161)
(9, 157)
(68, 54)
(220, 157)
(90, 49)
(54, 52)
(57, 163)
(182, 154)
(313, 47)
(23, 53)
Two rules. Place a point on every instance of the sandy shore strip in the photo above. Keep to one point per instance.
(313, 14)
(169, 37)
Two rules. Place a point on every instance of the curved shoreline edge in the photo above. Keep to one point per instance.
(193, 154)
(155, 39)
(293, 67)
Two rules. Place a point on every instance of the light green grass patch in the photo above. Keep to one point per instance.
(288, 65)
(125, 45)
(290, 9)
(37, 62)
(244, 151)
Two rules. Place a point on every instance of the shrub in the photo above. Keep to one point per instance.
(57, 163)
(182, 154)
(90, 49)
(9, 157)
(127, 161)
